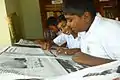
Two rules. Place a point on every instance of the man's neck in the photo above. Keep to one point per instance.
(74, 34)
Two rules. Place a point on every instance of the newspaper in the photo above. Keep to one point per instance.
(101, 72)
(36, 62)
(67, 57)
(67, 62)
(71, 66)
(26, 43)
(11, 76)
(32, 66)
(24, 51)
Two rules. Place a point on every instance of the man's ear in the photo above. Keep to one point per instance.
(87, 17)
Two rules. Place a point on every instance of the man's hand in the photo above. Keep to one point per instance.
(66, 51)
(46, 45)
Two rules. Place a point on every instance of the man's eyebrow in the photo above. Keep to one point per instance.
(68, 13)
(68, 16)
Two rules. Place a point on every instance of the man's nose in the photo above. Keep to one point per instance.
(68, 23)
(63, 30)
(66, 30)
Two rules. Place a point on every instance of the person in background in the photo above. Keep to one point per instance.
(67, 36)
(50, 33)
(100, 42)
(52, 30)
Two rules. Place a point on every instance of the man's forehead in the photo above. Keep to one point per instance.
(68, 16)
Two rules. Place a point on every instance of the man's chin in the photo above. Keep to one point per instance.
(68, 33)
(75, 31)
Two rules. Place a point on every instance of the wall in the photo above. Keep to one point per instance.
(12, 6)
(4, 31)
(31, 19)
(29, 14)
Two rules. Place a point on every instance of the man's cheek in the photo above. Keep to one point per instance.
(73, 24)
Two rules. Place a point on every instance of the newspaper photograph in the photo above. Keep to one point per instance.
(67, 62)
(71, 66)
(39, 67)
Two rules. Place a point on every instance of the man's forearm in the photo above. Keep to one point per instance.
(86, 59)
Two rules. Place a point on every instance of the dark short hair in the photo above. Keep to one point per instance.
(61, 18)
(78, 7)
(52, 21)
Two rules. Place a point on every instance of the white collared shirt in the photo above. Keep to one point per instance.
(69, 39)
(102, 39)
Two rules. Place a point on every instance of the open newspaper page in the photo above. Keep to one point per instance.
(25, 51)
(67, 62)
(63, 60)
(29, 62)
(109, 71)
(36, 62)
(31, 66)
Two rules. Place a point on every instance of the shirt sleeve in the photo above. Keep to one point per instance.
(49, 35)
(60, 40)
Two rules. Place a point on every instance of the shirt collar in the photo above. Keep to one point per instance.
(93, 25)
(81, 33)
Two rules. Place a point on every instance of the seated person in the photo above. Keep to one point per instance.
(100, 42)
(52, 30)
(68, 36)
(72, 39)
(50, 33)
